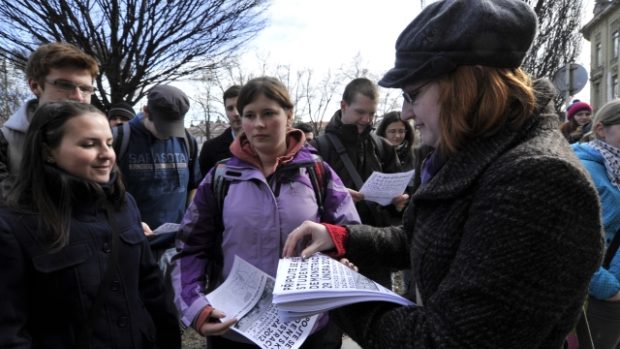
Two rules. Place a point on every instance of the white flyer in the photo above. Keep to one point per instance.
(383, 187)
(246, 295)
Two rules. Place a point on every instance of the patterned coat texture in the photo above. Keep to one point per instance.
(502, 243)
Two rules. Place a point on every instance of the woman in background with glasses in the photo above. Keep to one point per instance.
(400, 134)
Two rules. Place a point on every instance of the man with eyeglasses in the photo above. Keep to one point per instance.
(55, 72)
(351, 148)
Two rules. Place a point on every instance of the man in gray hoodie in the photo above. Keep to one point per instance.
(55, 72)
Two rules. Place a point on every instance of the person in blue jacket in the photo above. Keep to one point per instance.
(77, 271)
(601, 157)
(269, 193)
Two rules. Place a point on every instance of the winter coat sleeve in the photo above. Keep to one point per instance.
(197, 237)
(13, 292)
(522, 260)
(604, 282)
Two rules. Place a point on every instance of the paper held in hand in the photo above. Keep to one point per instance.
(320, 283)
(383, 187)
(246, 296)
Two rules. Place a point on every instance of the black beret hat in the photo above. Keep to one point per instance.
(450, 33)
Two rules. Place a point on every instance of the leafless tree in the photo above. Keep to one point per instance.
(210, 88)
(558, 41)
(138, 42)
(13, 89)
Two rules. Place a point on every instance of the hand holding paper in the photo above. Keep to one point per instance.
(382, 188)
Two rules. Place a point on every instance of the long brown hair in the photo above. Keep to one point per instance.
(45, 189)
(478, 101)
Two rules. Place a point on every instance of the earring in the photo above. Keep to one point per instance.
(50, 160)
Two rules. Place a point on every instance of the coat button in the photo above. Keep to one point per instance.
(106, 247)
(122, 321)
(115, 286)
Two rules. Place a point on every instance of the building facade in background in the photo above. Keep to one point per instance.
(603, 33)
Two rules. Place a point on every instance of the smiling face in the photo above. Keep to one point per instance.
(85, 150)
(360, 112)
(395, 132)
(265, 122)
(583, 117)
(424, 108)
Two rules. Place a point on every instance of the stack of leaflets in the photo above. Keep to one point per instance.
(305, 287)
(245, 295)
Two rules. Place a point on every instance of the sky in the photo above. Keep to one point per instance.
(327, 34)
(322, 34)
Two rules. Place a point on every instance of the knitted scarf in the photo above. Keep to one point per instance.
(611, 157)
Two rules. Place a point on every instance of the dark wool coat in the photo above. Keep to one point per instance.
(45, 298)
(502, 244)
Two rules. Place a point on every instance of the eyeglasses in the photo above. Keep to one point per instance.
(68, 86)
(410, 97)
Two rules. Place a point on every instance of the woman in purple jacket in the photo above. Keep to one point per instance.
(268, 194)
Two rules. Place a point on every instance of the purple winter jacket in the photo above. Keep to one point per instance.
(256, 224)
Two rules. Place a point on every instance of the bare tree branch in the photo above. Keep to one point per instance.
(137, 42)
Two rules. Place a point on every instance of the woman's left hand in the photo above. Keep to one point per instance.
(400, 201)
(319, 240)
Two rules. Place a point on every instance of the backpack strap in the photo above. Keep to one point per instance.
(219, 185)
(380, 148)
(611, 250)
(346, 160)
(121, 135)
(192, 147)
(317, 173)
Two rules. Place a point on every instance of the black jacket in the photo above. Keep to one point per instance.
(366, 156)
(214, 150)
(45, 298)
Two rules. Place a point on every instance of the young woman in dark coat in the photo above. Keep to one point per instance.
(503, 231)
(67, 221)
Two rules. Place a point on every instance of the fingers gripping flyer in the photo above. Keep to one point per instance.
(383, 187)
(246, 295)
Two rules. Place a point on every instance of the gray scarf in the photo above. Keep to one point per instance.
(611, 157)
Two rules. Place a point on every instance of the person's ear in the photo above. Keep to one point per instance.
(289, 118)
(47, 154)
(599, 130)
(35, 87)
(343, 105)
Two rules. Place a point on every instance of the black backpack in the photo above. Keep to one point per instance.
(315, 169)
